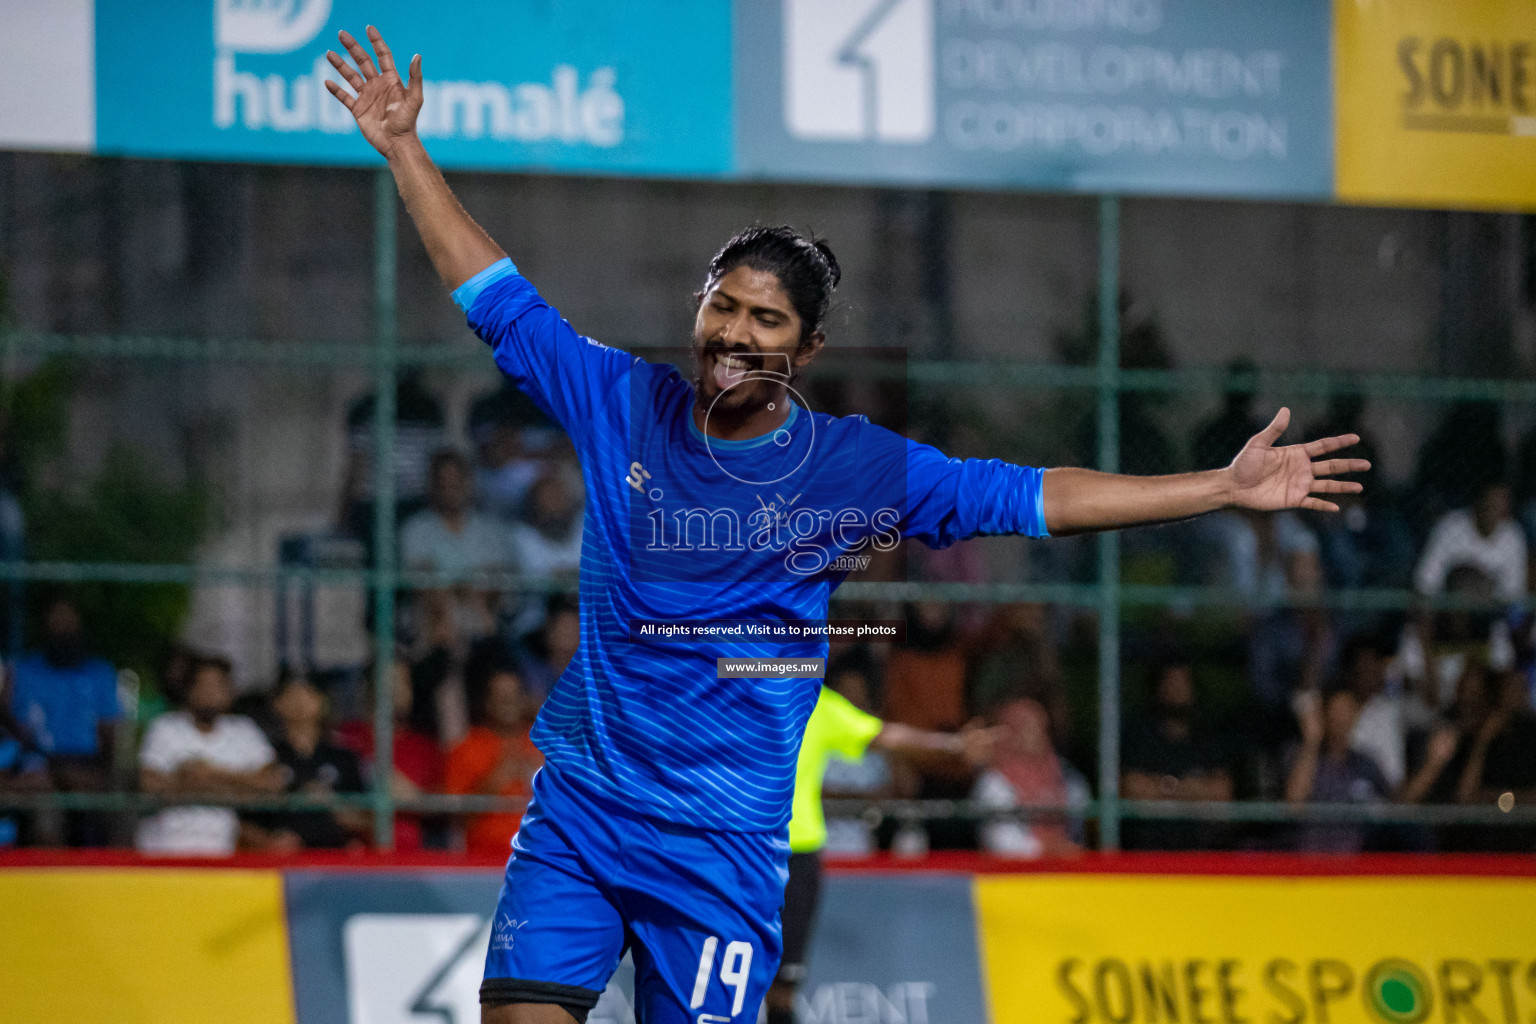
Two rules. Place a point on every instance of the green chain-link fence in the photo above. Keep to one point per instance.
(1097, 411)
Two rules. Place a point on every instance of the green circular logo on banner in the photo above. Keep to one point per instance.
(1397, 992)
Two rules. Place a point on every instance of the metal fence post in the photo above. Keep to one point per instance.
(385, 331)
(1109, 541)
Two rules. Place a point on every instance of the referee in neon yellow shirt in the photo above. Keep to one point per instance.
(838, 727)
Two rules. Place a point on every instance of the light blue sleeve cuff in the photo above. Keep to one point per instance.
(1037, 526)
(464, 295)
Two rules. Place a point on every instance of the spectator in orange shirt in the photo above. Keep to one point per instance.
(496, 757)
(925, 679)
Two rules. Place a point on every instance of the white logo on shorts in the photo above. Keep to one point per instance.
(505, 931)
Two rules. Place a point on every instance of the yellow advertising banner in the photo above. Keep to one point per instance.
(1435, 102)
(144, 947)
(1127, 949)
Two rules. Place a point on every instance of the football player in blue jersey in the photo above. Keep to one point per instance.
(719, 505)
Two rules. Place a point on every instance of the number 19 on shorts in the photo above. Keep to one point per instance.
(735, 969)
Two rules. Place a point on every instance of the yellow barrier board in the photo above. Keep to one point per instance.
(1364, 950)
(1435, 102)
(143, 947)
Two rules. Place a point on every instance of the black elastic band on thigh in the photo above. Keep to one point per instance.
(577, 1001)
(802, 894)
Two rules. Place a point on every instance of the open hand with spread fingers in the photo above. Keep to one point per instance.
(385, 107)
(1266, 478)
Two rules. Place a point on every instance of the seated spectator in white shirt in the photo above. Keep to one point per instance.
(1381, 729)
(204, 750)
(1026, 771)
(547, 541)
(449, 536)
(1484, 537)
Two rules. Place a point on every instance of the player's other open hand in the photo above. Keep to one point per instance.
(1266, 478)
(385, 107)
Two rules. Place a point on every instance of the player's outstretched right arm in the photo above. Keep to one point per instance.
(386, 110)
(568, 378)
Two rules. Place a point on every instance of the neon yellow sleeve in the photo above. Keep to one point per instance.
(849, 730)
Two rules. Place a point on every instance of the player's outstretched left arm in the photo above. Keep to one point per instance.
(1263, 477)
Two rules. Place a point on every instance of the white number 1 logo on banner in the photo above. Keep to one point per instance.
(859, 70)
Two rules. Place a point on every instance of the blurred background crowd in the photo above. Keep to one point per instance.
(189, 510)
(1287, 698)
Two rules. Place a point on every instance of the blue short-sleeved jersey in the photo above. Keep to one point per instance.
(684, 528)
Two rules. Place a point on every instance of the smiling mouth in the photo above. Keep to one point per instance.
(733, 367)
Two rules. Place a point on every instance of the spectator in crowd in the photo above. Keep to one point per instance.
(1324, 768)
(1484, 537)
(1525, 482)
(1026, 771)
(1437, 646)
(1465, 453)
(449, 536)
(1381, 728)
(543, 654)
(439, 707)
(925, 688)
(1437, 754)
(1167, 756)
(1217, 439)
(546, 542)
(1388, 717)
(1015, 655)
(419, 431)
(1144, 446)
(67, 701)
(925, 678)
(1518, 628)
(870, 775)
(1369, 544)
(417, 765)
(13, 539)
(514, 442)
(23, 769)
(1268, 559)
(176, 673)
(1501, 764)
(310, 765)
(203, 750)
(1437, 757)
(496, 758)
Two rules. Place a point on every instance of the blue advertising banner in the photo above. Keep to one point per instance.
(588, 85)
(408, 947)
(1211, 97)
(1202, 97)
(894, 948)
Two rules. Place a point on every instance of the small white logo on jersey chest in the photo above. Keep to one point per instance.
(637, 477)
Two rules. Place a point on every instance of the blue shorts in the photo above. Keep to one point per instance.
(699, 911)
